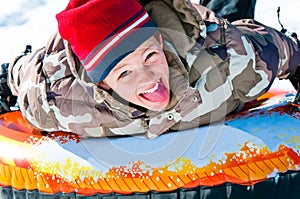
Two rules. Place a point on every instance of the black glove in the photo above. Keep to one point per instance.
(7, 100)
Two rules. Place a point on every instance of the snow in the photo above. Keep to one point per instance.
(25, 22)
(32, 22)
(266, 13)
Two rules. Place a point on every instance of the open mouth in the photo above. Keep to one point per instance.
(157, 92)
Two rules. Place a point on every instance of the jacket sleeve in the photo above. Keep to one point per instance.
(256, 54)
(241, 68)
(52, 97)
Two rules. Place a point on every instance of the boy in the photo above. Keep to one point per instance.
(110, 71)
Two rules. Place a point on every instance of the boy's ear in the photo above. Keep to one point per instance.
(103, 85)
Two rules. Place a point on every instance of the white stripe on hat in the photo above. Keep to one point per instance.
(89, 65)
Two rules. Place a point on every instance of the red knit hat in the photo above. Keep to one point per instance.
(102, 32)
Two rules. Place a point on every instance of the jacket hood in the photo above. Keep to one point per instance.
(180, 17)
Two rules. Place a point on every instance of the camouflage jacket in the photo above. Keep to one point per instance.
(214, 67)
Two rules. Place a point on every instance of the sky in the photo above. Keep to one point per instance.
(32, 22)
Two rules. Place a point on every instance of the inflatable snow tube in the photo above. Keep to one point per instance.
(254, 154)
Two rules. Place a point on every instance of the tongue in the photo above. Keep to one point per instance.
(159, 95)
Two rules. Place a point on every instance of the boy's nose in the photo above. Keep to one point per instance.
(146, 74)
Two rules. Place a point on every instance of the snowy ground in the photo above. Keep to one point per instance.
(25, 22)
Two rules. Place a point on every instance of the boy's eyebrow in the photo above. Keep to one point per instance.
(118, 67)
(148, 46)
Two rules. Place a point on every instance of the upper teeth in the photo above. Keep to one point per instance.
(152, 89)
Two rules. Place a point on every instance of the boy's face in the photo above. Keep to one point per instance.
(142, 77)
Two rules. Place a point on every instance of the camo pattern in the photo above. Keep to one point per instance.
(224, 65)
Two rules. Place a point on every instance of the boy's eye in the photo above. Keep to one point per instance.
(124, 74)
(151, 54)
